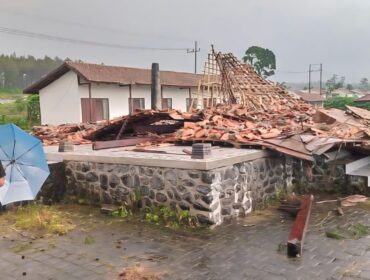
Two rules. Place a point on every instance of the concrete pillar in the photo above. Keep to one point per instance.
(156, 88)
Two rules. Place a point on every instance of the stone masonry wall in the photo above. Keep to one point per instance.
(212, 196)
(325, 177)
(318, 176)
(54, 188)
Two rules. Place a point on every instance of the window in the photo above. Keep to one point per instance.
(99, 109)
(166, 103)
(136, 103)
(207, 102)
(191, 102)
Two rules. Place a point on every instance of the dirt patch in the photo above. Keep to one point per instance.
(138, 273)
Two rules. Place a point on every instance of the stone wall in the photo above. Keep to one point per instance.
(54, 188)
(212, 196)
(320, 177)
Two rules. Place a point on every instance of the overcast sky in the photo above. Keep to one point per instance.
(299, 32)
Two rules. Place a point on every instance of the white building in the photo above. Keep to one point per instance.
(81, 92)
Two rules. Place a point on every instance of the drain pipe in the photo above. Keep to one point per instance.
(156, 100)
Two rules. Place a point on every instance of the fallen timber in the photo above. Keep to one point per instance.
(298, 232)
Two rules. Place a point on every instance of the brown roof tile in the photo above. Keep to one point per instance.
(311, 97)
(365, 98)
(115, 75)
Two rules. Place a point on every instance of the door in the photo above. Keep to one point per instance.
(99, 110)
(166, 103)
(136, 103)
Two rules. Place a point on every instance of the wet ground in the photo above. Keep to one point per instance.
(251, 248)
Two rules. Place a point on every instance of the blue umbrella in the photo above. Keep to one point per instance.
(23, 158)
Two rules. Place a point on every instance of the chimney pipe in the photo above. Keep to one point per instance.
(156, 88)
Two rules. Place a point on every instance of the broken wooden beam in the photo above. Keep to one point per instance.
(297, 234)
(99, 145)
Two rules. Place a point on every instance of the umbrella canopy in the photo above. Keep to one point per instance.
(23, 158)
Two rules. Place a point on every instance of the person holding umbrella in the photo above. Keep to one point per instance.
(2, 175)
(24, 164)
(2, 183)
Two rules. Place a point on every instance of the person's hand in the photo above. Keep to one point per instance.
(2, 181)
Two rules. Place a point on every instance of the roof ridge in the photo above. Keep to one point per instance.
(70, 63)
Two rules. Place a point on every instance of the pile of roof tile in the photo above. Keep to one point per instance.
(347, 125)
(237, 123)
(53, 135)
(140, 123)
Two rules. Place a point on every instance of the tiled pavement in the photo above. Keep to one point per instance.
(243, 250)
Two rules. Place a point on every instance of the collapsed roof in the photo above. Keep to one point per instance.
(255, 112)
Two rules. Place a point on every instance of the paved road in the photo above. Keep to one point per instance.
(247, 249)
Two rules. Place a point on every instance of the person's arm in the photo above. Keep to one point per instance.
(2, 175)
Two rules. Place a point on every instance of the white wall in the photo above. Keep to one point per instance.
(142, 91)
(117, 96)
(178, 96)
(59, 101)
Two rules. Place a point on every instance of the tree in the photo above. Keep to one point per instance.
(349, 87)
(334, 83)
(33, 108)
(19, 71)
(263, 60)
(283, 85)
(364, 84)
(340, 102)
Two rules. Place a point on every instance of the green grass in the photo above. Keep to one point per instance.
(11, 93)
(354, 231)
(41, 219)
(21, 247)
(340, 102)
(15, 112)
(334, 234)
(359, 230)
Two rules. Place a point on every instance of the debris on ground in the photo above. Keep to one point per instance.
(137, 273)
(352, 200)
(291, 205)
(347, 201)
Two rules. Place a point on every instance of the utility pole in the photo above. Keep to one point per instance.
(320, 78)
(309, 79)
(195, 51)
(310, 70)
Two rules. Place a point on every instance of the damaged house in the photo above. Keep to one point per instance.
(65, 93)
(257, 140)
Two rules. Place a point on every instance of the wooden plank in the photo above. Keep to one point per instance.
(99, 145)
(297, 234)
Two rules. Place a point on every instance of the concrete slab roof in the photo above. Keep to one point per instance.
(174, 157)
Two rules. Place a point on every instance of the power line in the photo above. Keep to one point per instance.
(295, 72)
(88, 26)
(23, 33)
